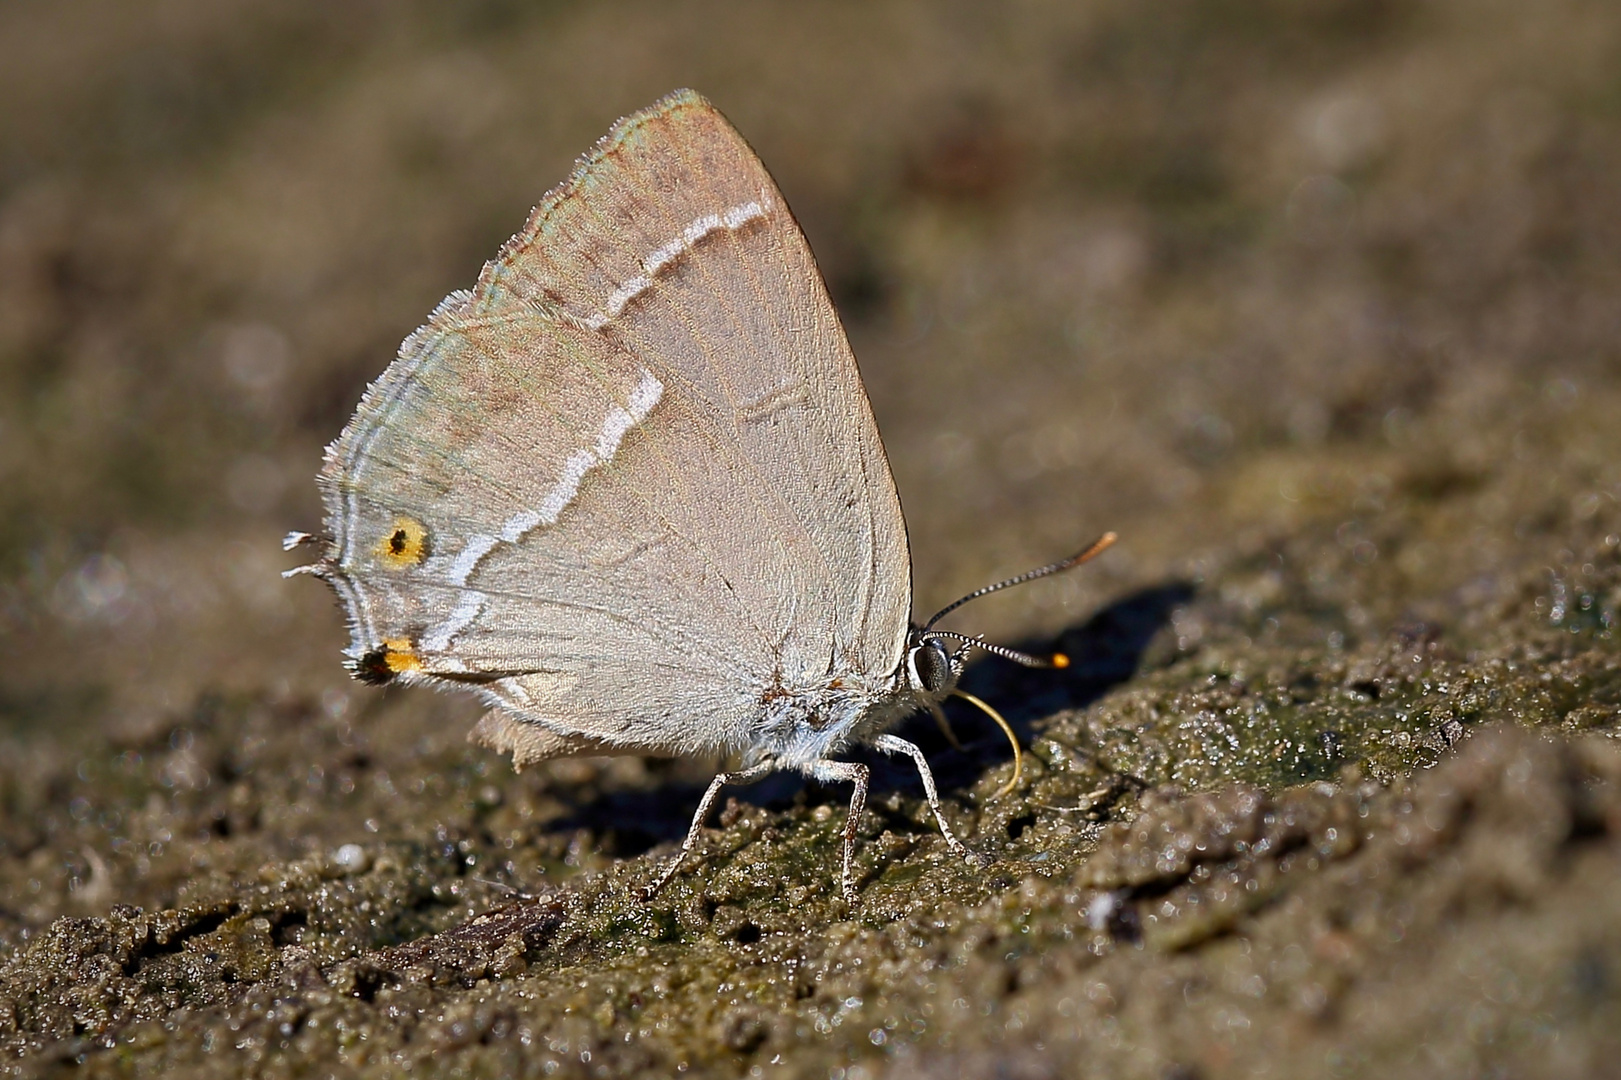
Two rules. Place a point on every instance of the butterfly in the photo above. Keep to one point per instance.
(628, 490)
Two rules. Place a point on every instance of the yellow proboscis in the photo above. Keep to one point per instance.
(1001, 722)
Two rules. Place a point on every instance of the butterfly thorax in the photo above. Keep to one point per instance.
(806, 724)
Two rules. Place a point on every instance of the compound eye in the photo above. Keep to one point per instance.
(930, 667)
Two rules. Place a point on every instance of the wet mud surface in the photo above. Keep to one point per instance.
(1316, 304)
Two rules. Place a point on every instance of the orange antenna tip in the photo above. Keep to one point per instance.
(1060, 660)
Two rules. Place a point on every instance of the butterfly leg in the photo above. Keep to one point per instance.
(848, 772)
(705, 805)
(889, 744)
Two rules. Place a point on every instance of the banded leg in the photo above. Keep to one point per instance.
(852, 772)
(889, 744)
(705, 805)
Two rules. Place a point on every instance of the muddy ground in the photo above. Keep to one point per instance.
(1316, 303)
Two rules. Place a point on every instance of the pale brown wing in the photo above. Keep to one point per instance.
(674, 240)
(630, 484)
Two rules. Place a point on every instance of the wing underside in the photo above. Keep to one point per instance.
(630, 483)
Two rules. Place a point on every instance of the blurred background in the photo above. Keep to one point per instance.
(1200, 271)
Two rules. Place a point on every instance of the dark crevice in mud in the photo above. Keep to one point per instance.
(465, 952)
(151, 949)
(367, 979)
(1016, 826)
(1366, 687)
(285, 926)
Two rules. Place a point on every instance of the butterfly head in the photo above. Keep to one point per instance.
(932, 670)
(933, 666)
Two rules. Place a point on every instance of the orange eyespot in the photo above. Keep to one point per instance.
(399, 655)
(389, 658)
(1060, 660)
(405, 544)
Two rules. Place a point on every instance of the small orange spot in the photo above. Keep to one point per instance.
(1060, 660)
(405, 543)
(399, 655)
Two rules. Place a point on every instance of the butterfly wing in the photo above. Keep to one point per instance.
(630, 486)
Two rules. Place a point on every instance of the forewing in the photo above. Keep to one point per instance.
(630, 484)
